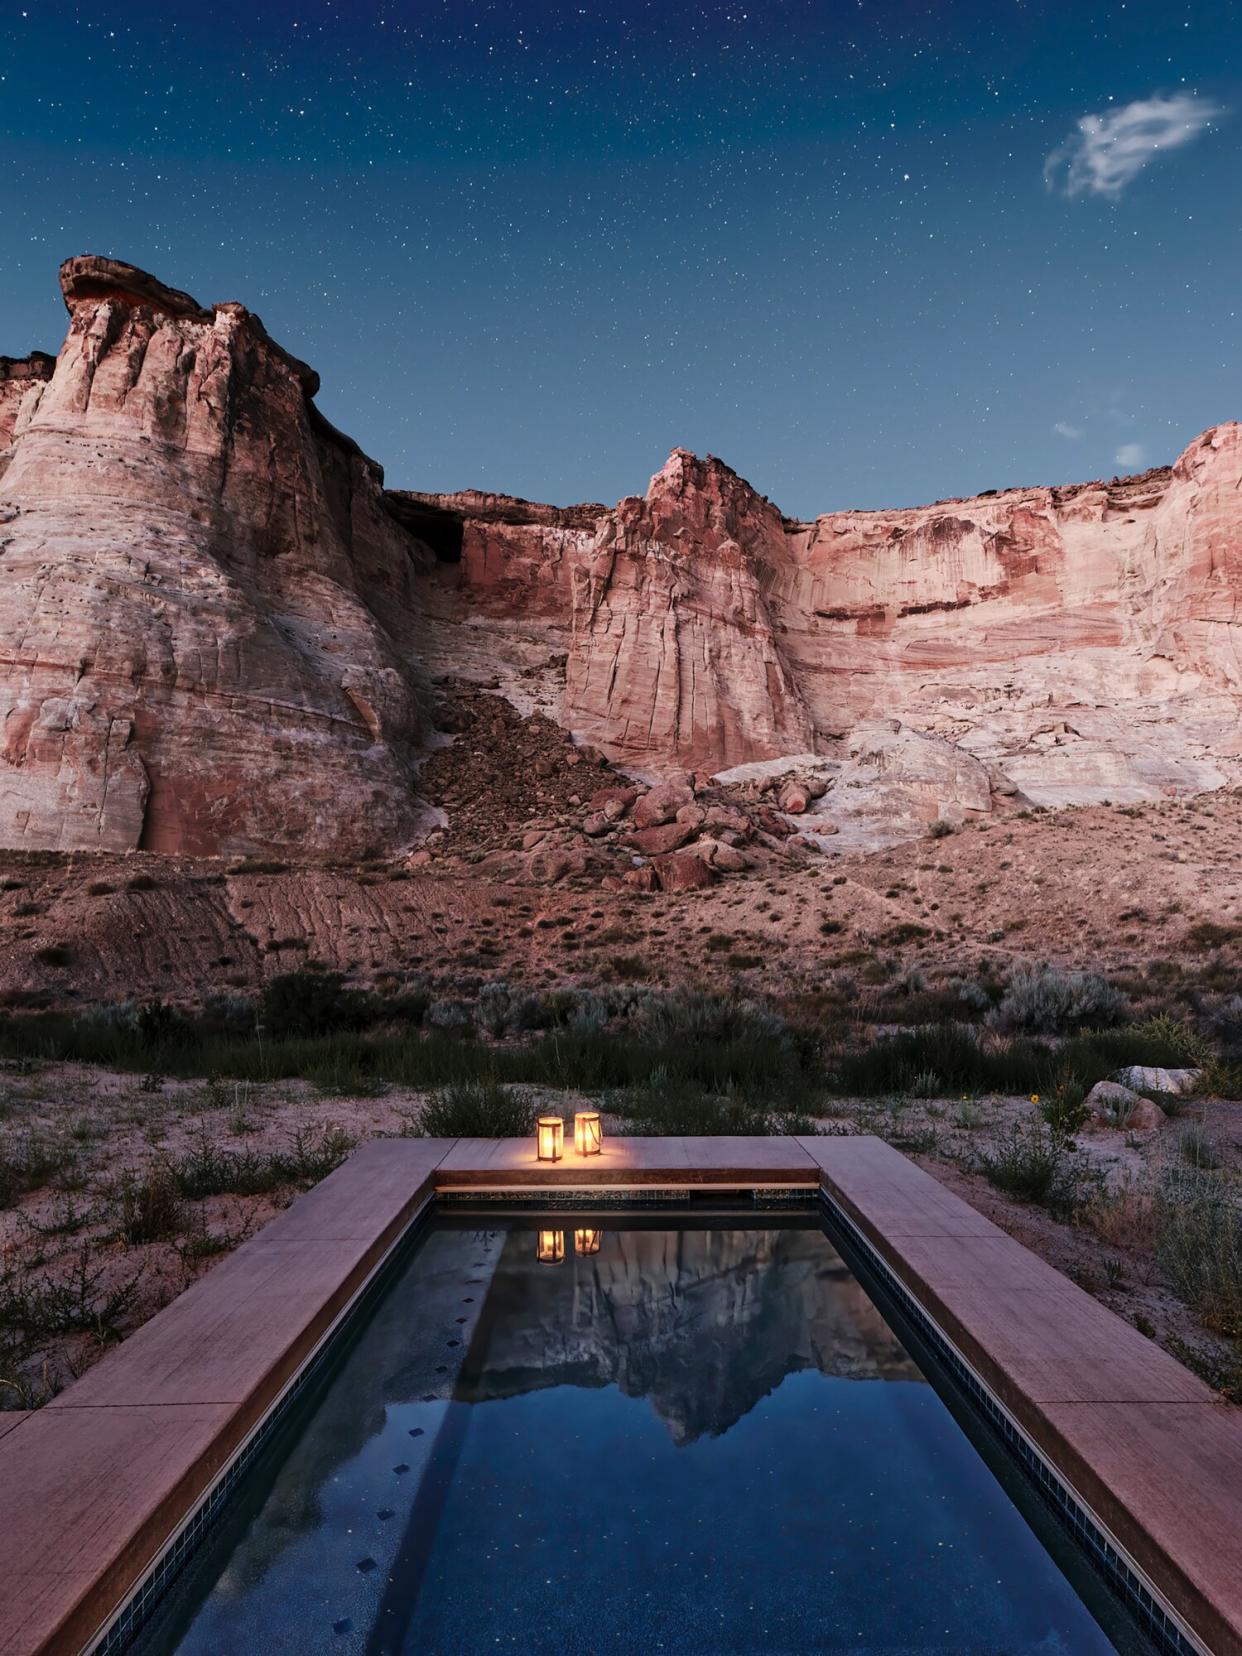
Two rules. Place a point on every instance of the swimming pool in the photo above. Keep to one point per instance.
(632, 1431)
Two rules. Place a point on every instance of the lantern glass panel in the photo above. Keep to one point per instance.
(588, 1133)
(550, 1138)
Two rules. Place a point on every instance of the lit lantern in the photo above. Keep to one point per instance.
(588, 1133)
(587, 1241)
(551, 1247)
(550, 1138)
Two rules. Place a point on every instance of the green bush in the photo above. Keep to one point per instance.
(1064, 1108)
(1035, 1164)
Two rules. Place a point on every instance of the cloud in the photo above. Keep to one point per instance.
(1064, 429)
(1129, 454)
(1106, 152)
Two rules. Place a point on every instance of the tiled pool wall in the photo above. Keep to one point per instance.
(1121, 1575)
(129, 1622)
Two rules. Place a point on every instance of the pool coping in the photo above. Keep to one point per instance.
(95, 1486)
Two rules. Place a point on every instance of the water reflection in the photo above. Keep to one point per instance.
(701, 1403)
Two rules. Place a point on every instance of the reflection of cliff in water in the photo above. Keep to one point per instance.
(703, 1322)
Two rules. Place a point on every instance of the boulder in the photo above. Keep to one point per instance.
(727, 858)
(613, 802)
(1113, 1105)
(727, 816)
(1149, 1078)
(656, 842)
(661, 804)
(683, 872)
(640, 879)
(595, 824)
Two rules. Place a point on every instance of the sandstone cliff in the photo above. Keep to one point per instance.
(1063, 645)
(215, 623)
(202, 595)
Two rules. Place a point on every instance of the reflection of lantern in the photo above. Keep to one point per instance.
(587, 1241)
(588, 1133)
(550, 1137)
(551, 1247)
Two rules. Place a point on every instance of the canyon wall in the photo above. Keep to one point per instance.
(216, 626)
(1058, 645)
(202, 595)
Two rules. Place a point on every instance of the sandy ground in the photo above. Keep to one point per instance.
(1150, 894)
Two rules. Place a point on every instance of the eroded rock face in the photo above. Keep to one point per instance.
(213, 618)
(1045, 645)
(202, 595)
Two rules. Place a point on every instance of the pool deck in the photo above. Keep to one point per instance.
(93, 1486)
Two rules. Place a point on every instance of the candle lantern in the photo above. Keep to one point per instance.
(587, 1241)
(550, 1138)
(588, 1133)
(551, 1247)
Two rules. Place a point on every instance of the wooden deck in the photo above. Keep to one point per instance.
(93, 1485)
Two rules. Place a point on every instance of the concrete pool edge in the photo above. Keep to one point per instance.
(1149, 1527)
(95, 1487)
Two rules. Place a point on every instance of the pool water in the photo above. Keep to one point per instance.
(685, 1438)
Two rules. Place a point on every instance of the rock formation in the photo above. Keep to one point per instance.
(215, 623)
(202, 595)
(1068, 645)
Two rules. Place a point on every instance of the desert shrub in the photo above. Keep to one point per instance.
(1210, 934)
(671, 1105)
(1045, 1000)
(940, 829)
(55, 954)
(1196, 1150)
(974, 996)
(158, 1024)
(310, 1003)
(148, 1206)
(952, 1052)
(494, 1008)
(1035, 1164)
(450, 1015)
(228, 1014)
(477, 1109)
(1064, 1108)
(88, 1297)
(1187, 1047)
(313, 1153)
(29, 1160)
(208, 1170)
(1124, 1217)
(1199, 1243)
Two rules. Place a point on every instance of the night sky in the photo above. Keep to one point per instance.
(869, 253)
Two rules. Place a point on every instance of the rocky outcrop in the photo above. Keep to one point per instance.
(214, 621)
(204, 603)
(1030, 646)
